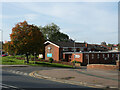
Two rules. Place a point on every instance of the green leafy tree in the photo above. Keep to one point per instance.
(119, 47)
(58, 36)
(49, 29)
(110, 45)
(27, 39)
(52, 32)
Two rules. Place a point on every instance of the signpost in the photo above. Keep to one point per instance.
(49, 54)
(77, 56)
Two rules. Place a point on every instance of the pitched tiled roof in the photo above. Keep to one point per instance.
(68, 44)
(99, 47)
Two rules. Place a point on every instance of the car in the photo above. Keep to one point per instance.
(4, 55)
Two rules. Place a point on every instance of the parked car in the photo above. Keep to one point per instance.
(4, 55)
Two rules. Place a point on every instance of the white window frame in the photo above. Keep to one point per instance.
(86, 56)
(72, 49)
(49, 49)
(65, 49)
(105, 58)
(92, 56)
(113, 55)
(98, 56)
(103, 55)
(108, 55)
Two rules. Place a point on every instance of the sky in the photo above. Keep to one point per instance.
(93, 22)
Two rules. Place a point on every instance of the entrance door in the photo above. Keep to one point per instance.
(68, 57)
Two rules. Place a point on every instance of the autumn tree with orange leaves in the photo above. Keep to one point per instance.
(27, 39)
(9, 48)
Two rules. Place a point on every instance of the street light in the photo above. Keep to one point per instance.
(34, 57)
(118, 57)
(74, 53)
(1, 42)
(88, 58)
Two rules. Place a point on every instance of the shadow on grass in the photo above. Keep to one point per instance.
(51, 65)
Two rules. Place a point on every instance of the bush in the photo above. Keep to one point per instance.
(76, 62)
(39, 59)
(63, 60)
(50, 60)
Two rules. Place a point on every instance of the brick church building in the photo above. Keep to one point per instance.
(83, 53)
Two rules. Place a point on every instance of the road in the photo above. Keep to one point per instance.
(10, 81)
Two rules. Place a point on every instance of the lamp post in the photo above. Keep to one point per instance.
(1, 41)
(88, 58)
(34, 57)
(118, 57)
(74, 53)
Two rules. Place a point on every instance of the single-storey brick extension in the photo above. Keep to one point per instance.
(84, 52)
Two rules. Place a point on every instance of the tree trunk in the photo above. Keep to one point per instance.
(27, 58)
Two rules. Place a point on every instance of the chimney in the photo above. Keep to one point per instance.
(86, 45)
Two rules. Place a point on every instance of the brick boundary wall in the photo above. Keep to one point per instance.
(118, 63)
(102, 66)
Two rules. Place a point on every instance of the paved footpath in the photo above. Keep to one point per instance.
(95, 78)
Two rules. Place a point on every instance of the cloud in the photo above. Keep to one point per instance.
(91, 16)
(60, 1)
(27, 17)
(30, 17)
(73, 18)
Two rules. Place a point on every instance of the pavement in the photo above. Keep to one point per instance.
(91, 78)
(14, 65)
(13, 81)
(80, 77)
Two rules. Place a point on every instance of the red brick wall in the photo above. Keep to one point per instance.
(100, 60)
(77, 59)
(95, 60)
(54, 50)
(91, 60)
(118, 63)
(102, 66)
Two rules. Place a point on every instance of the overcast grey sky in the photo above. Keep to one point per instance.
(92, 22)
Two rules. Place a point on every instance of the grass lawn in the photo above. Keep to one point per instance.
(11, 60)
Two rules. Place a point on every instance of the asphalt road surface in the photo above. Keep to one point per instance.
(14, 81)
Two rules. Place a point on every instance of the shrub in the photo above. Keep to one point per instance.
(76, 62)
(39, 59)
(50, 60)
(63, 60)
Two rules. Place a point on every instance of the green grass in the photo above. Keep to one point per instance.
(11, 60)
(53, 64)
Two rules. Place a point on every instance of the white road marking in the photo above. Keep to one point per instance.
(17, 72)
(25, 74)
(9, 86)
(21, 73)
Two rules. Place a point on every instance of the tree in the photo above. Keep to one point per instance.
(27, 39)
(103, 43)
(110, 45)
(9, 48)
(52, 32)
(58, 36)
(49, 29)
(119, 47)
